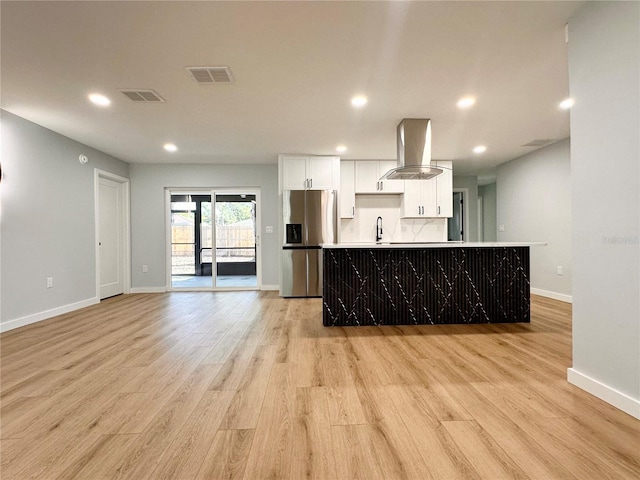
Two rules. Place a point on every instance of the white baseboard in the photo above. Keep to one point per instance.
(604, 392)
(556, 296)
(38, 317)
(148, 290)
(270, 287)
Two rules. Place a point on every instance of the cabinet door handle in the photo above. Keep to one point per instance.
(419, 210)
(311, 183)
(353, 211)
(423, 210)
(378, 186)
(438, 209)
(381, 186)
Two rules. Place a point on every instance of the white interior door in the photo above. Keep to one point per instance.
(110, 237)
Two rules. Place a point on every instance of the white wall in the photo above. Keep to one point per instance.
(604, 78)
(534, 204)
(489, 211)
(48, 221)
(362, 228)
(148, 183)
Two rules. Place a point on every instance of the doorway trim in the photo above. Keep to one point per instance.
(480, 219)
(125, 213)
(465, 212)
(212, 191)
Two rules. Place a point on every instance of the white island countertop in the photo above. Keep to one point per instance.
(435, 245)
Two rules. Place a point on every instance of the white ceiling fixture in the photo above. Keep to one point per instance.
(359, 101)
(99, 99)
(466, 102)
(142, 96)
(170, 147)
(210, 75)
(479, 149)
(567, 103)
(341, 148)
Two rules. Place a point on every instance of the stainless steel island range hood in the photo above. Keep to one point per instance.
(414, 151)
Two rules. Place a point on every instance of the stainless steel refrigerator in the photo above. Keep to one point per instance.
(310, 220)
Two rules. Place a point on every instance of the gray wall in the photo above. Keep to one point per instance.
(48, 220)
(534, 204)
(604, 77)
(471, 183)
(489, 211)
(148, 242)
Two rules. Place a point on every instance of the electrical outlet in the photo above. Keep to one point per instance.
(49, 282)
(145, 269)
(268, 229)
(501, 228)
(559, 270)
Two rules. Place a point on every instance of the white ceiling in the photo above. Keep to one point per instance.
(296, 66)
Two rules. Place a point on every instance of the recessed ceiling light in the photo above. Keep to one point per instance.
(480, 149)
(341, 148)
(567, 103)
(170, 147)
(99, 99)
(466, 102)
(359, 101)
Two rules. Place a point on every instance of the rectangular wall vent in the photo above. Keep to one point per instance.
(541, 142)
(142, 96)
(211, 74)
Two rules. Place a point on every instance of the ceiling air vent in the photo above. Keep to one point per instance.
(142, 96)
(211, 74)
(541, 142)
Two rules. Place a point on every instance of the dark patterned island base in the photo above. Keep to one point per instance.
(416, 286)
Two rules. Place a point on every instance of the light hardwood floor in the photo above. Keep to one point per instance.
(249, 385)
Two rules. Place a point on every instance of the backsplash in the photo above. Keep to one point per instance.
(362, 228)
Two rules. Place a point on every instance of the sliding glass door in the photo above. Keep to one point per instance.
(191, 240)
(213, 244)
(235, 223)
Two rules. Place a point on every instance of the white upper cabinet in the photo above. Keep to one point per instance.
(429, 198)
(298, 172)
(419, 199)
(324, 173)
(293, 172)
(444, 190)
(368, 173)
(347, 189)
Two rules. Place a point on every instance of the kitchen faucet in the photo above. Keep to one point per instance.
(378, 229)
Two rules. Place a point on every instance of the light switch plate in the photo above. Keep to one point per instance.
(268, 229)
